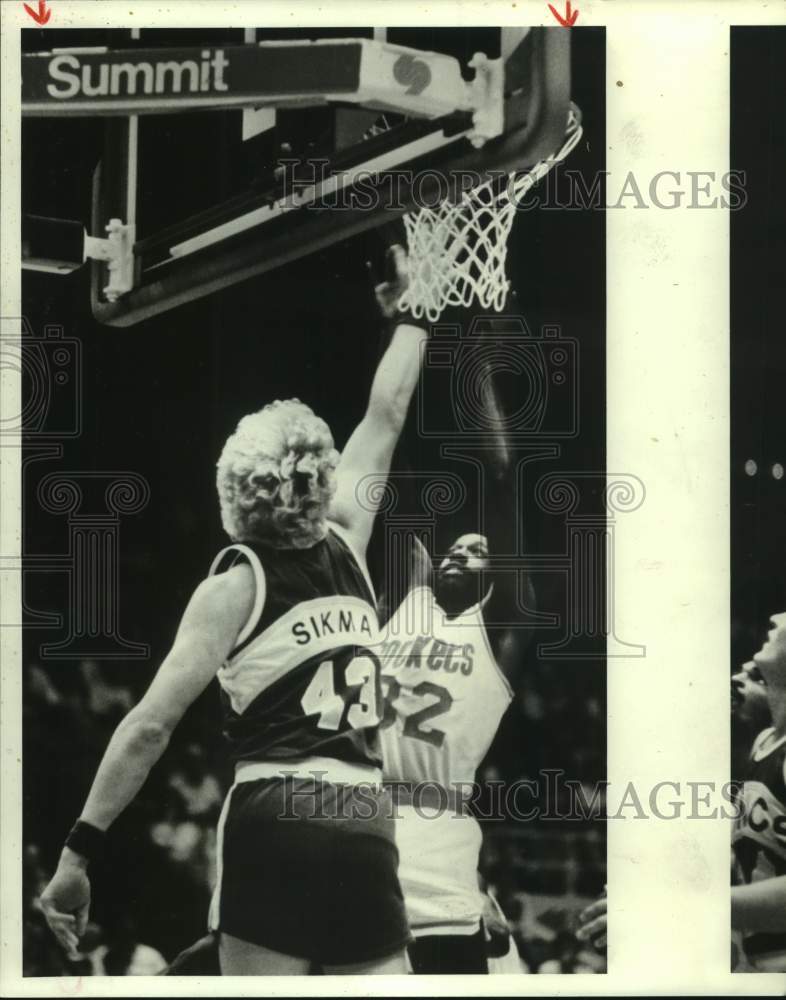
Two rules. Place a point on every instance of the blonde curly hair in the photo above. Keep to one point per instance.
(276, 476)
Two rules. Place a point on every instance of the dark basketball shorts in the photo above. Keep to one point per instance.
(309, 869)
(449, 954)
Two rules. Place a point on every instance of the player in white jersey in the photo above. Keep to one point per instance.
(448, 669)
(758, 906)
(285, 622)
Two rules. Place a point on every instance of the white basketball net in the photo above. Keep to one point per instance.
(457, 251)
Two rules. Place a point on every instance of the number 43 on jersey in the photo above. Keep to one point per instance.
(361, 675)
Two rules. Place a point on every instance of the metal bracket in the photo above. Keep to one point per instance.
(487, 98)
(117, 252)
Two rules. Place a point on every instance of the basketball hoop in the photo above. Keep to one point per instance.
(457, 251)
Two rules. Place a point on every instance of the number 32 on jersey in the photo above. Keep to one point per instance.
(358, 702)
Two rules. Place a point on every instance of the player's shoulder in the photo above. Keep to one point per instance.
(234, 580)
(348, 546)
(228, 594)
(760, 740)
(421, 566)
(770, 753)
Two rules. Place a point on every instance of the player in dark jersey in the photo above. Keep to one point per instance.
(750, 714)
(307, 859)
(758, 906)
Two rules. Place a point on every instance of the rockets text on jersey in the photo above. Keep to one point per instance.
(444, 692)
(444, 698)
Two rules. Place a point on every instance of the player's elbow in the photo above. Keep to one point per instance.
(146, 735)
(388, 412)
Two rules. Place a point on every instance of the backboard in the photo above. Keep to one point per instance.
(338, 131)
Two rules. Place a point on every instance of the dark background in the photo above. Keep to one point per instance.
(758, 338)
(160, 399)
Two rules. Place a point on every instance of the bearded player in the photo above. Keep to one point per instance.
(450, 661)
(750, 713)
(285, 620)
(758, 906)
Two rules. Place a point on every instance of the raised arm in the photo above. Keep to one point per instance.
(508, 635)
(365, 461)
(369, 451)
(208, 630)
(501, 516)
(760, 906)
(499, 508)
(411, 570)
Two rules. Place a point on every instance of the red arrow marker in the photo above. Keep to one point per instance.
(42, 15)
(569, 19)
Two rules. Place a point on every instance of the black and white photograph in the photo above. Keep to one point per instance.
(758, 505)
(316, 518)
(392, 498)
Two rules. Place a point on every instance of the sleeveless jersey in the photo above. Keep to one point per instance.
(444, 692)
(759, 836)
(301, 680)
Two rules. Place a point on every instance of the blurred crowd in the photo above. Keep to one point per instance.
(151, 894)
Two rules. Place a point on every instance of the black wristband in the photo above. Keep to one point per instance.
(87, 840)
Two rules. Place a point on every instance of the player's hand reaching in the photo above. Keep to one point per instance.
(390, 291)
(593, 923)
(66, 902)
